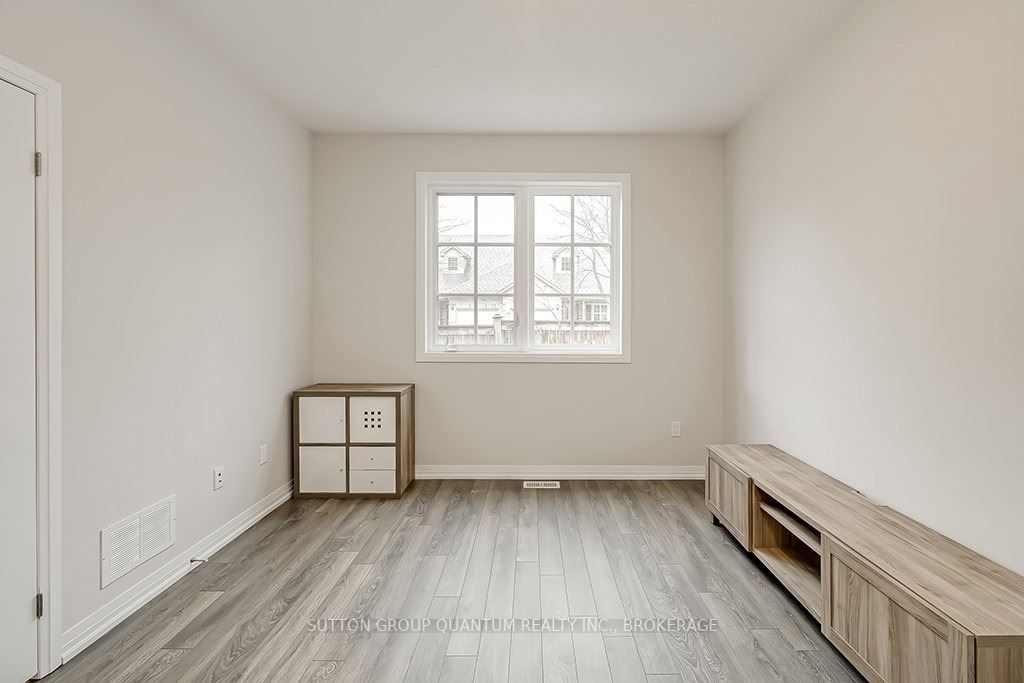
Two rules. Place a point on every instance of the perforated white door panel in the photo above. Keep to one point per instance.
(322, 419)
(373, 419)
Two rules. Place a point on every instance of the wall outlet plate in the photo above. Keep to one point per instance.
(264, 455)
(677, 429)
(218, 477)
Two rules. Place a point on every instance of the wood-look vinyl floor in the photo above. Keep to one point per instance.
(473, 549)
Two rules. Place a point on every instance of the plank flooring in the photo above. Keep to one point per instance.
(473, 549)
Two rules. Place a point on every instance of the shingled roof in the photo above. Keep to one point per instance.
(496, 274)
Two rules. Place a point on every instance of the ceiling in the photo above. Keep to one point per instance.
(513, 66)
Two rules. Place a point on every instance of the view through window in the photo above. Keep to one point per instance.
(523, 268)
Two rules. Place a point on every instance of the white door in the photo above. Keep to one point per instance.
(322, 469)
(18, 635)
(321, 419)
(373, 419)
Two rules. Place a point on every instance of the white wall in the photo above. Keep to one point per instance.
(875, 246)
(529, 414)
(186, 276)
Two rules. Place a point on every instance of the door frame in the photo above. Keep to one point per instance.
(48, 354)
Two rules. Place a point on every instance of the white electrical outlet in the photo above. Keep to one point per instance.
(264, 456)
(218, 477)
(677, 429)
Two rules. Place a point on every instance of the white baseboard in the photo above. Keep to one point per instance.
(560, 471)
(88, 630)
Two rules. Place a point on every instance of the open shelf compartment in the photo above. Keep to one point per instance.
(803, 532)
(790, 549)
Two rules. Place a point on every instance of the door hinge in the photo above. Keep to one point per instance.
(39, 164)
(39, 605)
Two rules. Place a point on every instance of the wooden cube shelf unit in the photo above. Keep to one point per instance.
(353, 440)
(903, 603)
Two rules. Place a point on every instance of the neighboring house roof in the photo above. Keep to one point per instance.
(496, 274)
(447, 251)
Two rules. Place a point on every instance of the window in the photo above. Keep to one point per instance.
(523, 268)
(452, 260)
(592, 311)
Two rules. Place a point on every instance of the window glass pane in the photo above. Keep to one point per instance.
(593, 270)
(551, 218)
(592, 334)
(496, 218)
(455, 270)
(476, 269)
(592, 218)
(552, 270)
(495, 269)
(455, 218)
(495, 320)
(595, 309)
(455, 320)
(592, 321)
(551, 320)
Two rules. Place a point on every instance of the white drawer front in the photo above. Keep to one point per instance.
(321, 469)
(371, 458)
(372, 481)
(373, 419)
(321, 419)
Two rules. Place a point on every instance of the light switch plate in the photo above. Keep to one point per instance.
(264, 456)
(676, 429)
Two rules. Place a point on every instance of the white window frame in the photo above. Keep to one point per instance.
(524, 186)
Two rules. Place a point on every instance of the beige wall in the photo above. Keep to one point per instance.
(875, 246)
(186, 276)
(529, 414)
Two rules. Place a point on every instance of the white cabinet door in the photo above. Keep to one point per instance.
(372, 481)
(373, 419)
(322, 469)
(321, 419)
(371, 457)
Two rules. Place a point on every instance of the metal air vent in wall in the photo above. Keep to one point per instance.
(128, 543)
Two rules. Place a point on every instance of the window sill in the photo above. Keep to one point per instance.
(471, 357)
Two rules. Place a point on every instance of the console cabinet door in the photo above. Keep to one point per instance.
(322, 469)
(887, 633)
(322, 419)
(373, 419)
(727, 494)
